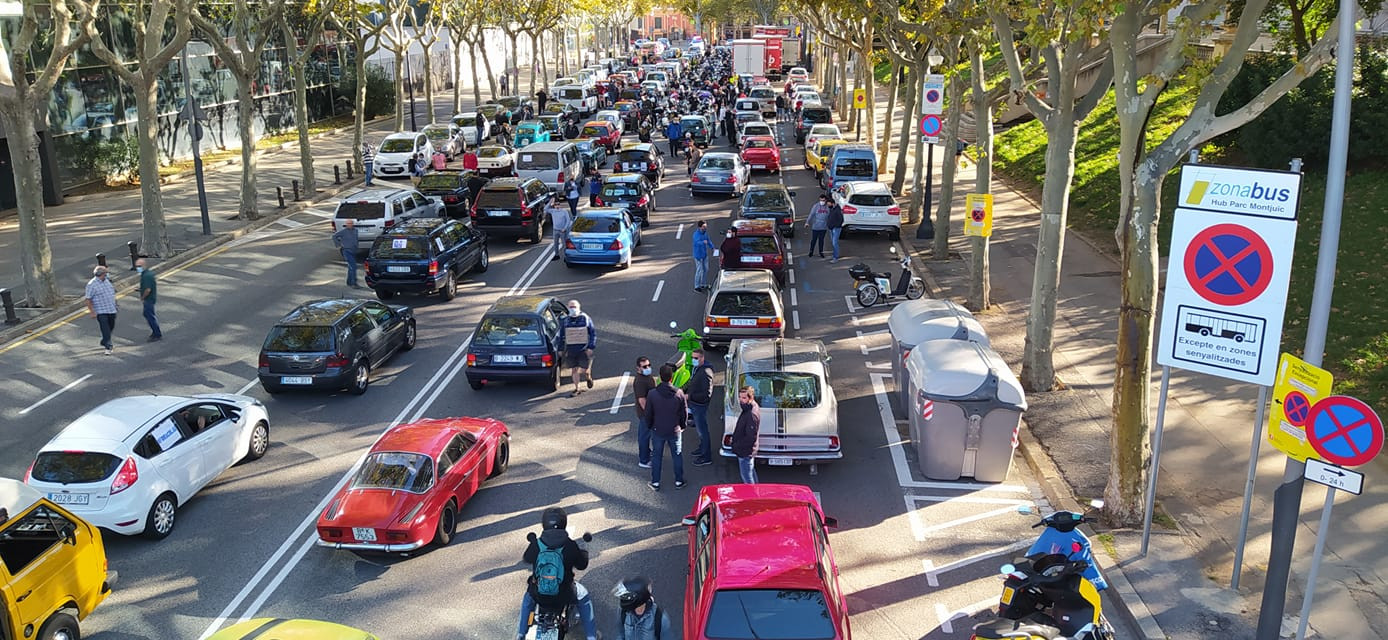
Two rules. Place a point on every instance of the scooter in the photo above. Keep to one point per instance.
(552, 623)
(875, 287)
(1046, 596)
(684, 353)
(1062, 535)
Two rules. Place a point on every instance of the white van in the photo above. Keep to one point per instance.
(586, 78)
(373, 210)
(577, 97)
(393, 156)
(550, 162)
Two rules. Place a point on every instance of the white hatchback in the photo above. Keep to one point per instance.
(822, 132)
(129, 464)
(393, 156)
(868, 206)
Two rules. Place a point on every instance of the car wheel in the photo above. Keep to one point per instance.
(448, 523)
(385, 294)
(361, 379)
(569, 264)
(160, 521)
(410, 337)
(484, 262)
(502, 461)
(260, 441)
(60, 626)
(538, 233)
(449, 290)
(476, 384)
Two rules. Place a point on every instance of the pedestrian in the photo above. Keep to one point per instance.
(505, 86)
(148, 296)
(540, 99)
(645, 381)
(503, 133)
(730, 125)
(346, 239)
(480, 124)
(571, 193)
(368, 161)
(730, 251)
(675, 134)
(691, 157)
(641, 618)
(578, 340)
(101, 303)
(744, 442)
(835, 224)
(818, 224)
(700, 389)
(594, 186)
(780, 107)
(668, 409)
(470, 159)
(440, 161)
(561, 221)
(702, 246)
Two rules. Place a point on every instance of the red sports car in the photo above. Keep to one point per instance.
(760, 566)
(761, 153)
(605, 133)
(412, 484)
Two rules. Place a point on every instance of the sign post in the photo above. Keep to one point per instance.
(933, 94)
(932, 106)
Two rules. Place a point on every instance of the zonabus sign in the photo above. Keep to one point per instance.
(1260, 193)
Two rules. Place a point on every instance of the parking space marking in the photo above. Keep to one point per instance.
(894, 443)
(968, 499)
(974, 486)
(242, 391)
(884, 366)
(947, 617)
(621, 391)
(291, 223)
(55, 394)
(795, 319)
(790, 273)
(679, 232)
(932, 572)
(852, 308)
(658, 286)
(926, 531)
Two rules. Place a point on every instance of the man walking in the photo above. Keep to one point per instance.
(594, 186)
(147, 298)
(571, 193)
(505, 89)
(346, 241)
(560, 219)
(368, 161)
(578, 340)
(700, 388)
(818, 224)
(540, 99)
(702, 245)
(645, 381)
(675, 133)
(668, 410)
(835, 224)
(745, 434)
(101, 303)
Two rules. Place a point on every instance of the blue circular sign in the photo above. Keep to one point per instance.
(1344, 431)
(1228, 264)
(930, 126)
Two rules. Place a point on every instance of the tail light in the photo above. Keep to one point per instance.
(732, 179)
(527, 212)
(29, 473)
(650, 166)
(694, 178)
(471, 360)
(774, 323)
(615, 246)
(599, 201)
(785, 220)
(641, 202)
(264, 361)
(849, 210)
(337, 360)
(433, 267)
(905, 354)
(715, 322)
(334, 225)
(775, 258)
(126, 477)
(569, 244)
(560, 176)
(728, 440)
(547, 360)
(367, 267)
(472, 212)
(893, 211)
(833, 442)
(451, 199)
(390, 222)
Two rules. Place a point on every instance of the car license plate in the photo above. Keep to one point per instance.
(296, 380)
(365, 534)
(758, 166)
(69, 498)
(752, 259)
(397, 269)
(592, 246)
(508, 358)
(498, 214)
(742, 322)
(780, 462)
(1007, 595)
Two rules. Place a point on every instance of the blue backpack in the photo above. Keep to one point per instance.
(549, 569)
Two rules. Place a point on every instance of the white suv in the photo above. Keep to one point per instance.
(868, 206)
(393, 156)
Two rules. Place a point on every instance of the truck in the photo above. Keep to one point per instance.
(790, 53)
(773, 58)
(749, 56)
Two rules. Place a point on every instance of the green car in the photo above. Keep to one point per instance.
(530, 131)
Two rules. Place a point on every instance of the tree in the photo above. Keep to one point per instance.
(428, 34)
(150, 21)
(62, 27)
(1143, 164)
(467, 28)
(398, 39)
(358, 21)
(1059, 34)
(308, 19)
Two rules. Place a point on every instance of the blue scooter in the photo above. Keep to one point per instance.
(1063, 537)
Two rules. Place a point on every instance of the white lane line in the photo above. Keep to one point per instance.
(292, 224)
(793, 301)
(965, 520)
(795, 318)
(791, 274)
(932, 572)
(894, 444)
(947, 617)
(53, 395)
(790, 258)
(878, 365)
(658, 286)
(621, 391)
(852, 308)
(242, 391)
(966, 499)
(679, 232)
(973, 486)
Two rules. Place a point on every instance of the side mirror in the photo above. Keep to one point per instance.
(832, 523)
(792, 193)
(1006, 569)
(828, 358)
(688, 521)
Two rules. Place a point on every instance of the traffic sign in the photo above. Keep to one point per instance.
(980, 220)
(1333, 476)
(860, 98)
(930, 127)
(933, 94)
(1298, 386)
(1344, 430)
(1228, 272)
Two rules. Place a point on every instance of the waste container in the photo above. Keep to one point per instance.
(916, 321)
(965, 411)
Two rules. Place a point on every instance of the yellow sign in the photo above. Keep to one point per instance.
(860, 98)
(979, 222)
(1298, 386)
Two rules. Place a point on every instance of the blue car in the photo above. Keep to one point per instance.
(604, 235)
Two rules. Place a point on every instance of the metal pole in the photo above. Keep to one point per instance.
(1253, 450)
(409, 80)
(196, 128)
(1150, 502)
(7, 299)
(1321, 534)
(1286, 504)
(929, 150)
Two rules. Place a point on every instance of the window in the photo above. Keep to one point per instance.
(360, 323)
(411, 472)
(200, 417)
(164, 436)
(716, 163)
(299, 339)
(537, 160)
(24, 541)
(596, 224)
(398, 248)
(620, 190)
(509, 331)
(758, 245)
(441, 181)
(397, 145)
(361, 211)
(703, 557)
(743, 304)
(451, 454)
(68, 467)
(854, 168)
(769, 614)
(379, 312)
(762, 199)
(505, 198)
(783, 389)
(872, 199)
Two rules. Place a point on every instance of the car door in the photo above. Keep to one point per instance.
(701, 572)
(469, 466)
(175, 458)
(389, 327)
(369, 340)
(215, 432)
(39, 564)
(471, 243)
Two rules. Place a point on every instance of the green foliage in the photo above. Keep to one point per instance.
(118, 159)
(380, 91)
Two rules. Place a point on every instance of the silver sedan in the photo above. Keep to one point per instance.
(722, 173)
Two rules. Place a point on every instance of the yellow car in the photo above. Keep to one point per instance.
(281, 629)
(817, 152)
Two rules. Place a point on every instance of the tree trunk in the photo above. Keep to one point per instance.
(869, 110)
(301, 119)
(245, 125)
(913, 90)
(841, 100)
(1062, 130)
(35, 254)
(359, 104)
(534, 65)
(947, 166)
(155, 240)
(458, 71)
(515, 65)
(400, 91)
(980, 279)
(885, 146)
(486, 64)
(428, 83)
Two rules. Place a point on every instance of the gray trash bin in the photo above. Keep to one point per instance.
(976, 406)
(916, 321)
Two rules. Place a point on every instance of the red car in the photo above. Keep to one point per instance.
(760, 566)
(761, 153)
(412, 484)
(605, 133)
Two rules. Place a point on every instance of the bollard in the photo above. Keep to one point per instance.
(349, 169)
(337, 174)
(7, 299)
(101, 259)
(279, 193)
(134, 253)
(295, 184)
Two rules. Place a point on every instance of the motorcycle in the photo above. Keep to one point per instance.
(1063, 536)
(1045, 596)
(874, 287)
(552, 623)
(684, 352)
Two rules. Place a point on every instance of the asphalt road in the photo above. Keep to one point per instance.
(918, 559)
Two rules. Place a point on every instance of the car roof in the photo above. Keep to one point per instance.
(758, 137)
(427, 436)
(721, 154)
(319, 312)
(624, 177)
(16, 497)
(768, 186)
(374, 194)
(638, 146)
(754, 227)
(115, 420)
(423, 226)
(765, 535)
(602, 212)
(780, 354)
(746, 279)
(553, 145)
(868, 186)
(401, 135)
(519, 304)
(598, 123)
(825, 125)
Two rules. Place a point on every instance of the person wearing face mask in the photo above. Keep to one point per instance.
(100, 296)
(645, 381)
(700, 391)
(147, 298)
(745, 434)
(578, 340)
(730, 252)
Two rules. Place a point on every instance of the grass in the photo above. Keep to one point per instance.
(265, 142)
(1357, 346)
(1110, 546)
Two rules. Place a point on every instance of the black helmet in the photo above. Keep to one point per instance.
(554, 518)
(633, 592)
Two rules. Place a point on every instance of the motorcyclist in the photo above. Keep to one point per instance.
(553, 536)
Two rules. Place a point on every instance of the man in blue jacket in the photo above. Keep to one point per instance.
(577, 340)
(675, 133)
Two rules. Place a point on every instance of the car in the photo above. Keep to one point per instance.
(743, 303)
(803, 98)
(554, 124)
(467, 121)
(495, 160)
(393, 156)
(654, 86)
(631, 191)
(766, 97)
(333, 344)
(412, 484)
(747, 105)
(604, 132)
(745, 117)
(698, 129)
(641, 157)
(578, 97)
(445, 137)
(602, 236)
(451, 188)
(376, 209)
(761, 153)
(489, 110)
(799, 409)
(761, 247)
(563, 81)
(760, 566)
(517, 339)
(613, 116)
(769, 201)
(851, 162)
(529, 131)
(817, 153)
(593, 152)
(755, 128)
(512, 106)
(798, 74)
(425, 257)
(128, 465)
(299, 629)
(868, 206)
(809, 117)
(719, 172)
(513, 206)
(825, 131)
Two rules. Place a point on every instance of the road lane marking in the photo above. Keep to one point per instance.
(292, 224)
(53, 395)
(852, 308)
(791, 274)
(793, 301)
(973, 486)
(679, 233)
(795, 318)
(965, 520)
(947, 617)
(932, 572)
(621, 391)
(894, 443)
(242, 391)
(658, 286)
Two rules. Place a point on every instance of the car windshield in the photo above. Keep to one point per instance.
(537, 160)
(397, 248)
(498, 199)
(764, 93)
(769, 614)
(361, 210)
(620, 190)
(397, 145)
(759, 144)
(584, 145)
(757, 244)
(767, 199)
(707, 162)
(854, 168)
(872, 199)
(440, 181)
(412, 472)
(783, 389)
(823, 130)
(437, 133)
(489, 110)
(597, 224)
(67, 467)
(509, 331)
(490, 152)
(633, 155)
(570, 94)
(816, 115)
(299, 339)
(593, 132)
(743, 303)
(529, 129)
